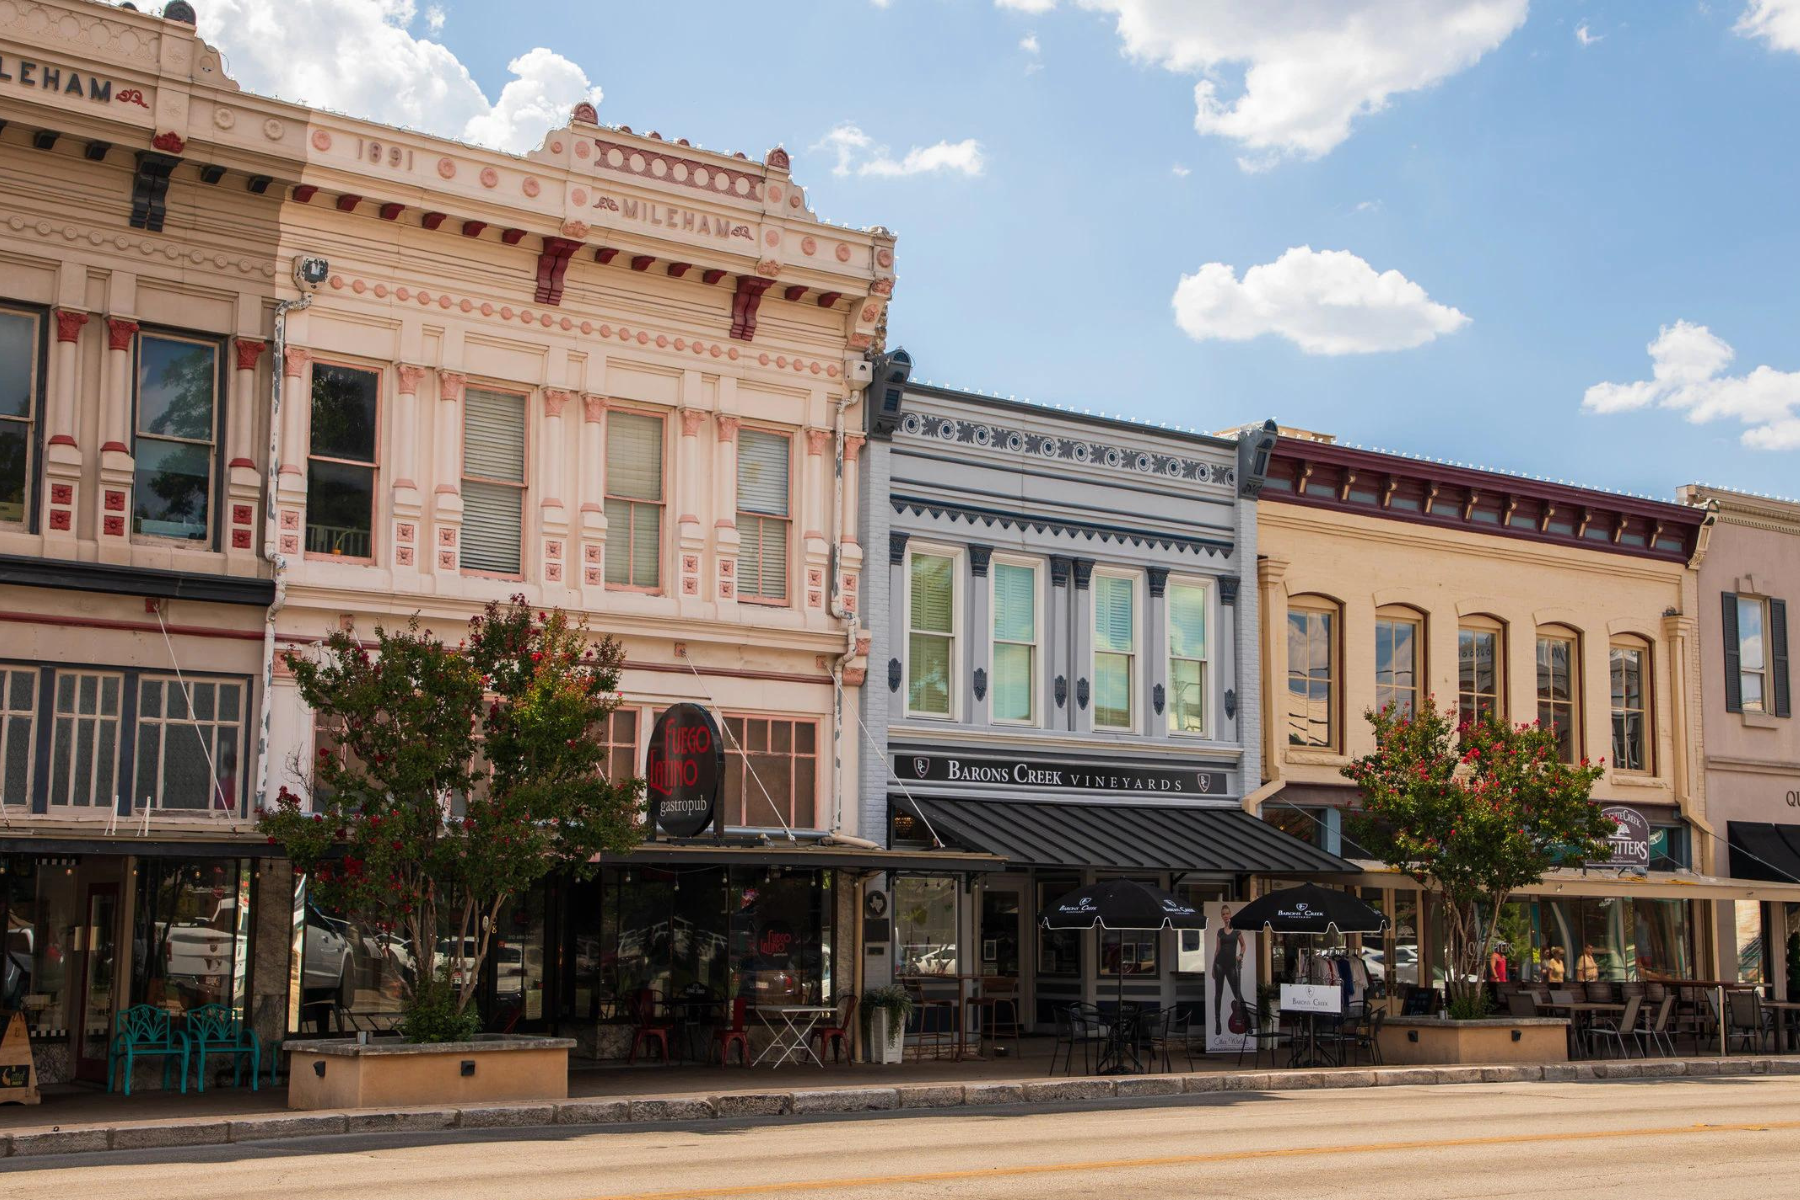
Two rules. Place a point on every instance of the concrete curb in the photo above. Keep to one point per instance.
(217, 1131)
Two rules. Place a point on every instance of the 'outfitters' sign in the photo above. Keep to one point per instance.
(1060, 776)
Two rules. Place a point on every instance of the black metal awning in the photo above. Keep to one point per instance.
(1123, 837)
(1764, 851)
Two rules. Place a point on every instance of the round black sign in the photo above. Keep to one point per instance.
(683, 769)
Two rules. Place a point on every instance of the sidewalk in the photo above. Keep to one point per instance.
(85, 1122)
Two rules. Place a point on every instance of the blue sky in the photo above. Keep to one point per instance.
(1565, 188)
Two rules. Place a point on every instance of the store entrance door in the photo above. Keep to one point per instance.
(100, 980)
(1002, 910)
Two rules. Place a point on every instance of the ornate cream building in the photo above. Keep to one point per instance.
(619, 374)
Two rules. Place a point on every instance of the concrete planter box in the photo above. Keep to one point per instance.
(1429, 1040)
(338, 1073)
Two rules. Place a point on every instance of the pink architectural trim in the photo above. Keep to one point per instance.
(249, 352)
(294, 360)
(407, 379)
(593, 408)
(853, 444)
(62, 439)
(816, 439)
(450, 386)
(235, 463)
(690, 425)
(728, 427)
(122, 448)
(68, 325)
(119, 332)
(555, 400)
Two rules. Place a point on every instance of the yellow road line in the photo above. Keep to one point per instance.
(1178, 1160)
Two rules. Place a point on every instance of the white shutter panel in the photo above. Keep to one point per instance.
(762, 473)
(493, 449)
(1112, 613)
(634, 456)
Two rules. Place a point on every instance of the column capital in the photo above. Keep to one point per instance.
(728, 427)
(407, 378)
(853, 444)
(119, 332)
(593, 408)
(68, 324)
(816, 439)
(450, 385)
(294, 360)
(249, 352)
(690, 421)
(555, 400)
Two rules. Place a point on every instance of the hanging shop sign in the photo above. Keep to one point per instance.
(1071, 775)
(682, 771)
(1629, 844)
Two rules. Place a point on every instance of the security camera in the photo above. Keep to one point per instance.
(310, 272)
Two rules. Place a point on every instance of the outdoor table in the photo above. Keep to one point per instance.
(1121, 1040)
(1581, 1015)
(789, 1041)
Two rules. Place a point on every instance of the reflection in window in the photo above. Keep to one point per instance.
(84, 750)
(1310, 677)
(1014, 686)
(340, 465)
(771, 772)
(1478, 675)
(1059, 950)
(191, 928)
(187, 752)
(1397, 665)
(18, 712)
(1630, 710)
(1115, 651)
(19, 349)
(1187, 657)
(42, 967)
(931, 640)
(1752, 659)
(1556, 692)
(177, 391)
(925, 925)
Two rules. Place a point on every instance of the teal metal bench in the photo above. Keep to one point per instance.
(214, 1029)
(145, 1031)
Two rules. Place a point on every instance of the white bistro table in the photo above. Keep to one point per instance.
(789, 1041)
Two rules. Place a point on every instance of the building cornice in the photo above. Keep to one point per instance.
(1769, 513)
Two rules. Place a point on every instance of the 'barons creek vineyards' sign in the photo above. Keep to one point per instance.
(683, 769)
(1098, 776)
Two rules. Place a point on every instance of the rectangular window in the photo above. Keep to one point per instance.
(18, 723)
(926, 925)
(1630, 709)
(930, 634)
(1115, 650)
(340, 462)
(771, 772)
(1752, 654)
(1478, 675)
(1013, 688)
(1397, 643)
(1556, 692)
(20, 348)
(620, 738)
(493, 481)
(1187, 657)
(762, 515)
(84, 747)
(191, 928)
(188, 742)
(1312, 678)
(177, 431)
(634, 500)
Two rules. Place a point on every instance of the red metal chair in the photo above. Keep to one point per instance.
(650, 1028)
(836, 1036)
(733, 1035)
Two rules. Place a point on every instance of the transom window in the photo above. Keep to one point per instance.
(619, 736)
(20, 348)
(84, 747)
(189, 737)
(1556, 684)
(177, 433)
(1629, 663)
(1398, 641)
(762, 516)
(771, 772)
(18, 723)
(493, 481)
(1479, 674)
(1312, 674)
(1013, 688)
(340, 463)
(1187, 605)
(634, 500)
(930, 633)
(1115, 650)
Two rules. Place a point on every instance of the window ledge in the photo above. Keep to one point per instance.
(1316, 758)
(1638, 781)
(1756, 720)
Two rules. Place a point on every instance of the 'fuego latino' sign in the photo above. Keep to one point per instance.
(683, 769)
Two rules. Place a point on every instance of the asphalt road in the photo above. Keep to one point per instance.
(1650, 1140)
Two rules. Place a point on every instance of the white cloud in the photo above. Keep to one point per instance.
(1026, 6)
(1586, 36)
(1776, 22)
(434, 18)
(857, 154)
(1308, 68)
(357, 56)
(1029, 43)
(1179, 171)
(1324, 301)
(1687, 364)
(1367, 206)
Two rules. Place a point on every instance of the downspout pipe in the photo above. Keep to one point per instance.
(271, 536)
(834, 606)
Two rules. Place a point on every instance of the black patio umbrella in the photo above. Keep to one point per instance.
(1309, 908)
(1120, 904)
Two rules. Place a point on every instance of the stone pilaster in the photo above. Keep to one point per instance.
(447, 531)
(726, 540)
(814, 520)
(112, 518)
(62, 457)
(691, 539)
(243, 480)
(407, 505)
(553, 514)
(591, 470)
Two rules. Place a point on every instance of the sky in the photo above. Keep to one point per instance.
(1556, 237)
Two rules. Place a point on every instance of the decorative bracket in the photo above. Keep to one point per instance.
(1062, 690)
(978, 560)
(893, 674)
(1084, 573)
(1159, 583)
(980, 683)
(750, 289)
(1228, 589)
(552, 265)
(150, 190)
(896, 548)
(1230, 704)
(1081, 693)
(1156, 698)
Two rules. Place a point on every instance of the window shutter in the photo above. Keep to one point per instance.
(1112, 613)
(634, 456)
(1734, 683)
(1778, 655)
(493, 449)
(762, 473)
(1187, 621)
(932, 590)
(1015, 603)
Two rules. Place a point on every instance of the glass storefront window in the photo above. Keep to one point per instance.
(190, 932)
(1059, 950)
(1132, 952)
(925, 925)
(43, 922)
(1749, 941)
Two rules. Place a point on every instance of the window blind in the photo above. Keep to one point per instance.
(1112, 613)
(493, 463)
(634, 456)
(762, 557)
(494, 435)
(933, 586)
(762, 473)
(1015, 602)
(493, 518)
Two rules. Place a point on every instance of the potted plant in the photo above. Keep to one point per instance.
(464, 775)
(885, 1012)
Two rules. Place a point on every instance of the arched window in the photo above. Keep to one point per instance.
(1559, 688)
(1480, 669)
(1632, 744)
(1399, 658)
(1313, 672)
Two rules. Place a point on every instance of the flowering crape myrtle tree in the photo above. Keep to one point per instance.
(468, 773)
(1473, 812)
